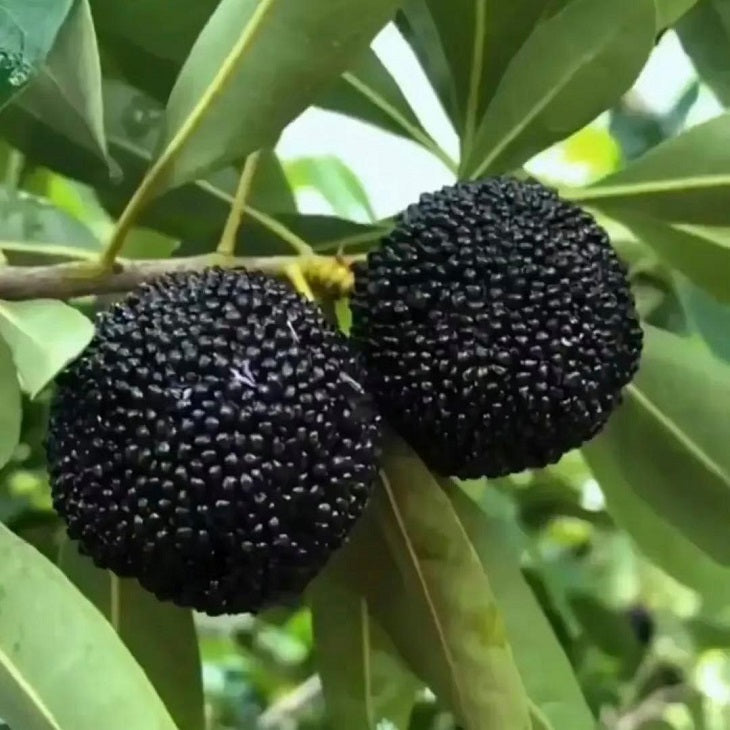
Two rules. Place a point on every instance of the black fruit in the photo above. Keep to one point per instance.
(213, 441)
(497, 325)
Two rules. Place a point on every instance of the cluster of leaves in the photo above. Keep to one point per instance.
(496, 597)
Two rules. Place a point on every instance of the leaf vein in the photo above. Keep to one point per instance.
(669, 425)
(29, 691)
(424, 587)
(477, 74)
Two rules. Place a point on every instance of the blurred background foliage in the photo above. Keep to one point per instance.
(650, 653)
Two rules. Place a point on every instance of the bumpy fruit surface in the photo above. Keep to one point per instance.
(213, 441)
(497, 325)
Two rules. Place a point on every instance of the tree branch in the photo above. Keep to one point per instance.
(67, 281)
(291, 705)
(650, 708)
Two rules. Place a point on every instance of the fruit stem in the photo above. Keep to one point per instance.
(295, 274)
(227, 244)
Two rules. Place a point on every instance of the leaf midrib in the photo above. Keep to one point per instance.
(669, 425)
(97, 135)
(217, 192)
(412, 130)
(426, 592)
(528, 118)
(366, 663)
(17, 325)
(22, 683)
(476, 75)
(721, 242)
(219, 82)
(649, 187)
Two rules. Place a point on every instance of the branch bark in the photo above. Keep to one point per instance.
(67, 281)
(285, 711)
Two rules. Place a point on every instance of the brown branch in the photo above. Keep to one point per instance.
(67, 281)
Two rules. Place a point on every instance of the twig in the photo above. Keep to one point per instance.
(67, 281)
(650, 708)
(14, 170)
(291, 705)
(227, 245)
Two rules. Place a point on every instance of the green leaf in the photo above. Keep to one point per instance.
(143, 243)
(417, 25)
(372, 685)
(336, 182)
(556, 693)
(30, 224)
(148, 41)
(479, 39)
(195, 211)
(539, 721)
(44, 336)
(683, 180)
(669, 439)
(705, 36)
(442, 614)
(571, 68)
(662, 543)
(66, 92)
(11, 412)
(96, 685)
(709, 317)
(331, 234)
(708, 634)
(42, 145)
(324, 233)
(40, 528)
(160, 636)
(271, 190)
(27, 33)
(668, 12)
(217, 113)
(74, 198)
(368, 92)
(133, 123)
(23, 702)
(608, 631)
(701, 253)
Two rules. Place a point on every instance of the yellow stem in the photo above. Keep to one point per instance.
(296, 275)
(227, 244)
